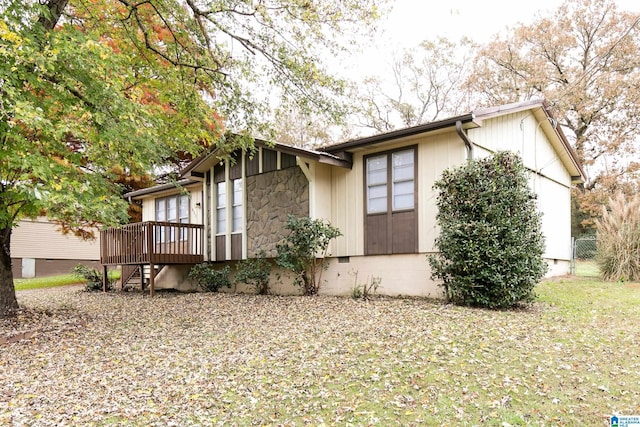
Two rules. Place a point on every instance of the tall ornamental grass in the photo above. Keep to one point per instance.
(618, 233)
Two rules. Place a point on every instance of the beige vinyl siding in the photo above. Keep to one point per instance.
(347, 208)
(554, 201)
(41, 239)
(149, 209)
(322, 192)
(320, 200)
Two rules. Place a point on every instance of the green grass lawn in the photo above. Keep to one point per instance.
(55, 281)
(587, 268)
(46, 282)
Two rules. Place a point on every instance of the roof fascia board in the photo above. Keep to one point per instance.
(571, 154)
(160, 188)
(400, 133)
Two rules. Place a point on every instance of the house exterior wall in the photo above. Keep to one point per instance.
(196, 206)
(435, 153)
(549, 179)
(271, 197)
(338, 194)
(405, 274)
(31, 258)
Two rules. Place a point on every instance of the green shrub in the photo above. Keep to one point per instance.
(208, 278)
(618, 240)
(303, 251)
(92, 276)
(490, 241)
(255, 272)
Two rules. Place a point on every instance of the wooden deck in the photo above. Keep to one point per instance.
(152, 242)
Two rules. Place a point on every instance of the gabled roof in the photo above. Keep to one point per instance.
(341, 154)
(203, 163)
(194, 171)
(474, 119)
(548, 123)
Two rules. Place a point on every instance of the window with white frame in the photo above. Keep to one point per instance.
(402, 178)
(172, 209)
(377, 184)
(221, 208)
(237, 198)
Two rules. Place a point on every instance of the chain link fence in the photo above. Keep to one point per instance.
(582, 249)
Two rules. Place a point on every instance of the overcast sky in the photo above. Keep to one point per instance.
(412, 21)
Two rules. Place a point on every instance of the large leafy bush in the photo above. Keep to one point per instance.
(490, 241)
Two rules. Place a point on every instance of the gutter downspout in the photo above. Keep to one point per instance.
(467, 142)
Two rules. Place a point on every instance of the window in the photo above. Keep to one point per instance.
(229, 208)
(237, 225)
(221, 208)
(403, 177)
(172, 209)
(377, 184)
(390, 185)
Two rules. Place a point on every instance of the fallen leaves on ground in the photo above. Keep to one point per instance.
(221, 359)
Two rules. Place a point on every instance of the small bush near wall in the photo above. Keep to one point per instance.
(304, 250)
(92, 276)
(367, 289)
(618, 254)
(208, 278)
(255, 272)
(491, 243)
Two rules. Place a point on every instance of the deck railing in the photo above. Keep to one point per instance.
(152, 242)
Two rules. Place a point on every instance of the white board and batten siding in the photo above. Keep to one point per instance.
(549, 179)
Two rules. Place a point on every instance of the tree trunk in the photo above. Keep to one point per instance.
(8, 301)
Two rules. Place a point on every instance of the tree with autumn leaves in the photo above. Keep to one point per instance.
(583, 59)
(92, 91)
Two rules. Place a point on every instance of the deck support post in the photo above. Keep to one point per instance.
(152, 274)
(104, 278)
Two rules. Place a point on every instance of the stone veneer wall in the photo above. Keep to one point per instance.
(270, 198)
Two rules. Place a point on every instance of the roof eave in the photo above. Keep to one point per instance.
(137, 194)
(400, 133)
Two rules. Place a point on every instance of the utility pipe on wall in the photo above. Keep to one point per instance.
(465, 139)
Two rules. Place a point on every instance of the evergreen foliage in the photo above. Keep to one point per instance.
(255, 272)
(210, 279)
(303, 251)
(490, 243)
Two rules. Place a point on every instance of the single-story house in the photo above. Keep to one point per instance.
(40, 249)
(377, 190)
